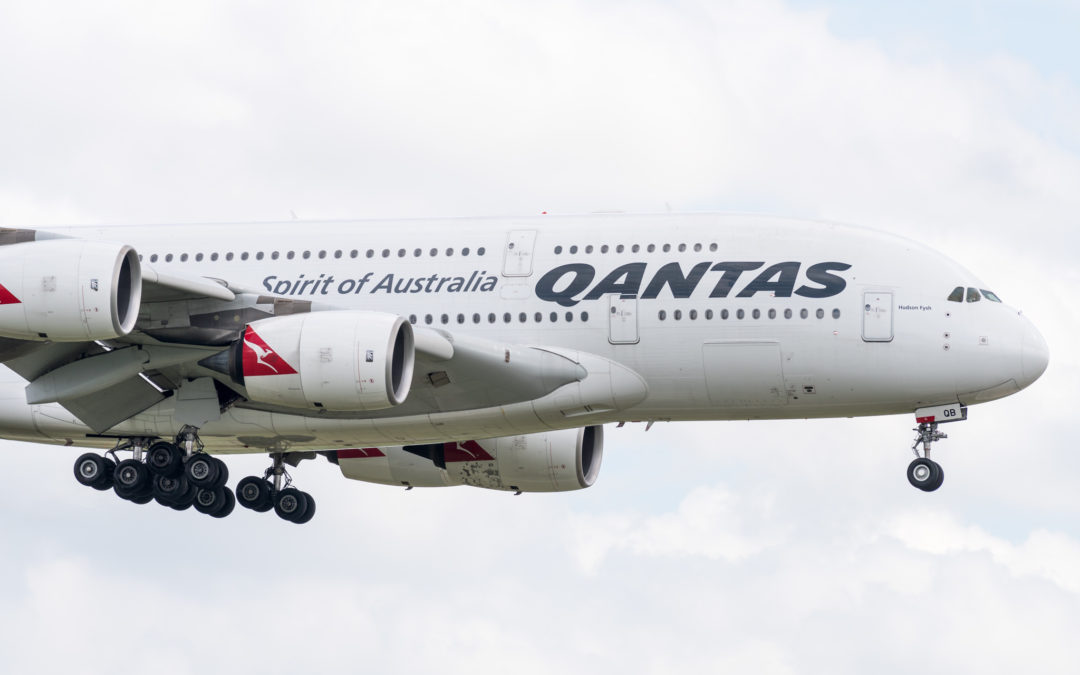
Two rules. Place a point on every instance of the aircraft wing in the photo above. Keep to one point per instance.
(196, 329)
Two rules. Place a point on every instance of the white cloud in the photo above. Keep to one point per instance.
(1052, 556)
(710, 522)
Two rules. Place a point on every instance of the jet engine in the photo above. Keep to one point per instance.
(333, 360)
(553, 461)
(68, 290)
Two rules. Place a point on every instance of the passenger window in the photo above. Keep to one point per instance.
(973, 295)
(992, 297)
(957, 294)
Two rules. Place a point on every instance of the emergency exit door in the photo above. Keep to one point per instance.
(518, 255)
(622, 320)
(877, 324)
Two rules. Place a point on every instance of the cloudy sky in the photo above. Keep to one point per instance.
(766, 547)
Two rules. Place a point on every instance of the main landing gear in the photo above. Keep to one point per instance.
(274, 491)
(180, 475)
(177, 475)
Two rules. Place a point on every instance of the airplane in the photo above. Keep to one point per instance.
(485, 352)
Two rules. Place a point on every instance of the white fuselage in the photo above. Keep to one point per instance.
(681, 301)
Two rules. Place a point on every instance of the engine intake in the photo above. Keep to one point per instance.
(68, 290)
(333, 360)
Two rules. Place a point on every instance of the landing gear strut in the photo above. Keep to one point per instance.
(923, 472)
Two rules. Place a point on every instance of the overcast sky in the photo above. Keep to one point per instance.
(764, 547)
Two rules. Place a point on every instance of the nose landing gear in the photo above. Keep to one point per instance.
(923, 472)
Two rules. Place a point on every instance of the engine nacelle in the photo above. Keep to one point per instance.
(553, 461)
(334, 360)
(68, 290)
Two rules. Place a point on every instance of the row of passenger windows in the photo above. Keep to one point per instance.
(741, 314)
(569, 317)
(634, 248)
(972, 294)
(507, 317)
(305, 255)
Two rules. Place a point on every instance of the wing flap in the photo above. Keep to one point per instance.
(105, 409)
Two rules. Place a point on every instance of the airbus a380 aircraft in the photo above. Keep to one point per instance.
(483, 352)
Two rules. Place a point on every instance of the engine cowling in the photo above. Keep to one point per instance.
(68, 290)
(553, 461)
(334, 360)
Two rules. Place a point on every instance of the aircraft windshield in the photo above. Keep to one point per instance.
(957, 295)
(992, 297)
(973, 295)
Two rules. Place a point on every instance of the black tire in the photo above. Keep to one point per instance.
(271, 497)
(223, 472)
(110, 469)
(93, 470)
(190, 494)
(922, 474)
(255, 493)
(202, 470)
(228, 506)
(290, 504)
(938, 477)
(310, 512)
(165, 459)
(168, 491)
(209, 500)
(130, 478)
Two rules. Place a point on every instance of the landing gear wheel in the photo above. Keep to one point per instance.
(131, 479)
(925, 474)
(172, 492)
(310, 513)
(223, 473)
(203, 471)
(209, 501)
(255, 493)
(938, 479)
(165, 459)
(93, 470)
(228, 506)
(291, 505)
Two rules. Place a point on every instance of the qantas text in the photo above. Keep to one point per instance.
(570, 284)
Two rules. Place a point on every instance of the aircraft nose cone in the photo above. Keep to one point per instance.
(1034, 355)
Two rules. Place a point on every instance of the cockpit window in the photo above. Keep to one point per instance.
(989, 295)
(957, 295)
(973, 295)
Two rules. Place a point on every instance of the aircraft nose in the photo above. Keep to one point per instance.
(1034, 355)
